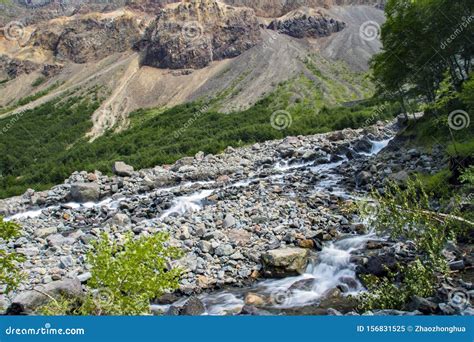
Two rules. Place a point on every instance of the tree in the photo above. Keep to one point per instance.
(421, 40)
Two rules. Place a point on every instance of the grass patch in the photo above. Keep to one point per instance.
(39, 81)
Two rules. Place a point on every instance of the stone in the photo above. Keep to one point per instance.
(66, 261)
(202, 281)
(121, 220)
(400, 177)
(378, 265)
(205, 246)
(224, 250)
(229, 221)
(302, 285)
(29, 252)
(422, 304)
(58, 240)
(254, 299)
(457, 265)
(363, 178)
(31, 300)
(223, 179)
(193, 307)
(83, 278)
(121, 169)
(85, 192)
(44, 232)
(284, 262)
(309, 244)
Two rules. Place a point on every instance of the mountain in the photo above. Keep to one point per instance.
(118, 61)
(130, 51)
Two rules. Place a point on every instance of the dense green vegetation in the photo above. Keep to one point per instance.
(10, 272)
(426, 61)
(33, 144)
(126, 276)
(45, 145)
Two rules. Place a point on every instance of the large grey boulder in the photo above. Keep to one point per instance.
(121, 169)
(280, 263)
(41, 295)
(85, 192)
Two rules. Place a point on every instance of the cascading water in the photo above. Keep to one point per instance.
(333, 267)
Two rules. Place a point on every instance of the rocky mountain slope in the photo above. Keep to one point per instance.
(139, 59)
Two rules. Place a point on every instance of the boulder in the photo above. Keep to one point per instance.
(41, 295)
(363, 178)
(85, 192)
(121, 169)
(254, 299)
(192, 307)
(44, 232)
(399, 177)
(379, 265)
(284, 262)
(422, 304)
(224, 250)
(229, 221)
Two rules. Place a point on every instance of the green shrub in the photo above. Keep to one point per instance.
(406, 214)
(385, 293)
(125, 277)
(10, 273)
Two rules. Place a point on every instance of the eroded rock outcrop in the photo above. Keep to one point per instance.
(193, 34)
(89, 38)
(307, 22)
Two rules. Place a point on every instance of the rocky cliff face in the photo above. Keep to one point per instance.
(193, 34)
(89, 38)
(277, 8)
(307, 22)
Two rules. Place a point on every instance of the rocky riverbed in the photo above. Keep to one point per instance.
(262, 227)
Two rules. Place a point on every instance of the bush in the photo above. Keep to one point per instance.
(125, 277)
(406, 214)
(383, 293)
(10, 273)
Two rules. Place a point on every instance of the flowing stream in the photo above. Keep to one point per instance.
(331, 268)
